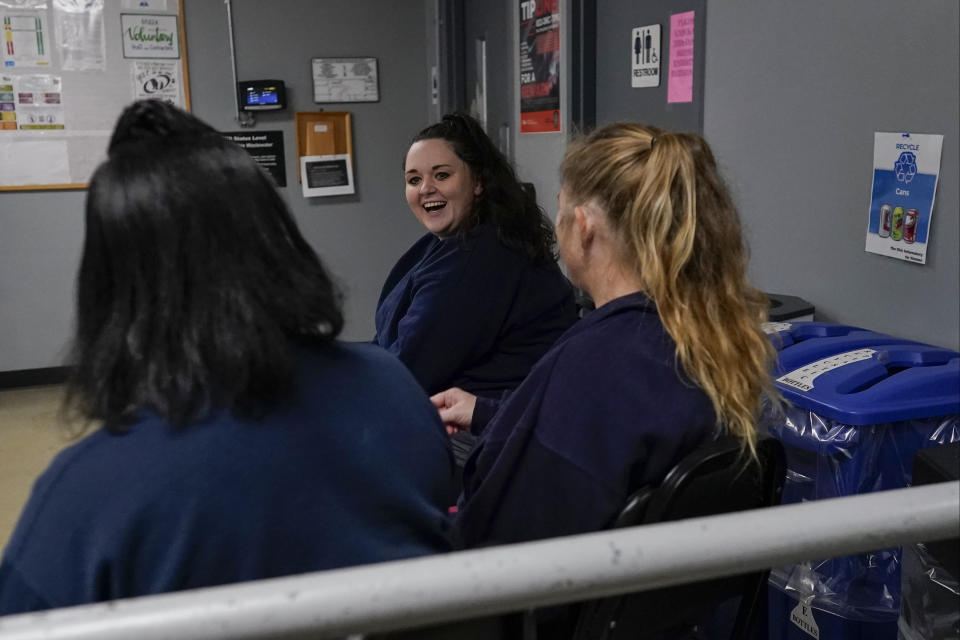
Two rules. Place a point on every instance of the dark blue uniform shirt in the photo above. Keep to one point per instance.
(472, 313)
(603, 413)
(354, 468)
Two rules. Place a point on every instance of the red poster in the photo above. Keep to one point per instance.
(539, 66)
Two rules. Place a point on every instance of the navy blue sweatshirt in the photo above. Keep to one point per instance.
(472, 313)
(603, 413)
(354, 468)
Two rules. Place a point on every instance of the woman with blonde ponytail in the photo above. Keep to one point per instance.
(663, 195)
(672, 356)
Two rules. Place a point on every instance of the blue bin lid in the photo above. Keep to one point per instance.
(877, 384)
(800, 343)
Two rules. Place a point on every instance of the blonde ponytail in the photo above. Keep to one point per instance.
(681, 235)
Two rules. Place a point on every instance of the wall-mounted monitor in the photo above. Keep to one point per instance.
(262, 95)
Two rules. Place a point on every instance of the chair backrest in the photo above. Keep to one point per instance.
(717, 478)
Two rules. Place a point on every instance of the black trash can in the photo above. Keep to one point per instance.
(785, 308)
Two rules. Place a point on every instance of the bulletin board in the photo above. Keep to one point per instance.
(68, 68)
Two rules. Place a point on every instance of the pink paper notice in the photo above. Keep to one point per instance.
(680, 73)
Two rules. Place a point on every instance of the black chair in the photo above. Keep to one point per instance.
(717, 478)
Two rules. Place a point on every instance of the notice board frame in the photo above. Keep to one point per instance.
(89, 111)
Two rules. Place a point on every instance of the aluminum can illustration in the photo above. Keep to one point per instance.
(886, 221)
(910, 225)
(896, 230)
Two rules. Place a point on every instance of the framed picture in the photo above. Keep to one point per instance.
(345, 80)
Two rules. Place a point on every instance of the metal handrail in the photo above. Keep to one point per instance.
(462, 585)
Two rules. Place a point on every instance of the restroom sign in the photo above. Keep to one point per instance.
(645, 56)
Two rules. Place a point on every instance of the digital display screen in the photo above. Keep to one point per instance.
(262, 94)
(267, 95)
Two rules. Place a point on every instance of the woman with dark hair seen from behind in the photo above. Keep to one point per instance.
(673, 354)
(240, 439)
(479, 298)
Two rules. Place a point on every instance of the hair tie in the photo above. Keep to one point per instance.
(653, 141)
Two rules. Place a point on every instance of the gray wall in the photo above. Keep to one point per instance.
(794, 93)
(616, 99)
(537, 155)
(359, 236)
(488, 20)
(40, 238)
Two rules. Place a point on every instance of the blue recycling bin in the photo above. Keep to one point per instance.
(861, 405)
(800, 343)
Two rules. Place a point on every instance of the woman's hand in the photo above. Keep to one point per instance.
(456, 408)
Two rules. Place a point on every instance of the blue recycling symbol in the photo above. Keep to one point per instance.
(905, 167)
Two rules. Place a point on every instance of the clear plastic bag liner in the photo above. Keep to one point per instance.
(930, 600)
(828, 459)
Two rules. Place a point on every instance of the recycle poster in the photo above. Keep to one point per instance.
(906, 167)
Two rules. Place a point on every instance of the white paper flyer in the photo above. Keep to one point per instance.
(157, 79)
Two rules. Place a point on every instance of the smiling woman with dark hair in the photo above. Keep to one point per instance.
(477, 300)
(237, 431)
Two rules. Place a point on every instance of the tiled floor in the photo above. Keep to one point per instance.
(31, 433)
